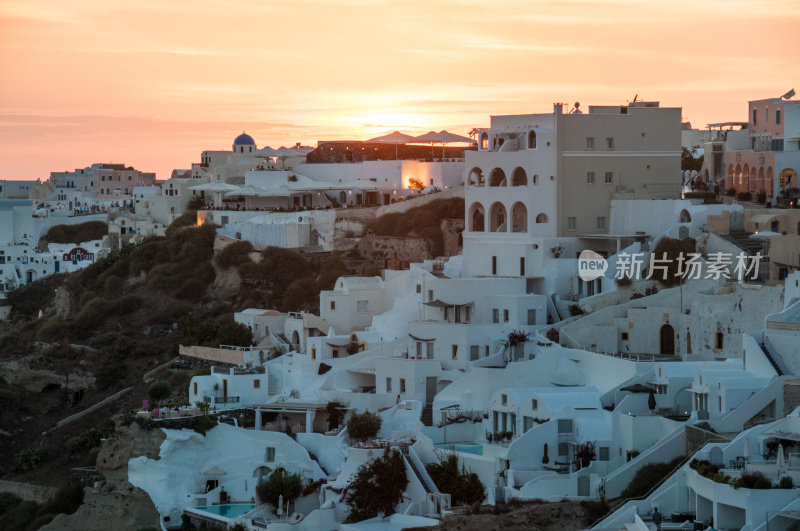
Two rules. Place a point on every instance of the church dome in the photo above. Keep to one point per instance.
(244, 140)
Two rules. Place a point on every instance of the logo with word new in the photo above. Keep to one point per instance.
(591, 266)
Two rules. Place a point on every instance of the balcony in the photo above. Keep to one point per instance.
(221, 400)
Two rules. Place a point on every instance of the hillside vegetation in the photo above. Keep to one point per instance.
(82, 232)
(119, 318)
(424, 221)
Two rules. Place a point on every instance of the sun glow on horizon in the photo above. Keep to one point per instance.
(154, 84)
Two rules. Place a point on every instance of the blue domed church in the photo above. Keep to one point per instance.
(244, 143)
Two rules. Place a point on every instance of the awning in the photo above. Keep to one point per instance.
(415, 338)
(436, 303)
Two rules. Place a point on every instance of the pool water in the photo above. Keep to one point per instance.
(469, 448)
(228, 510)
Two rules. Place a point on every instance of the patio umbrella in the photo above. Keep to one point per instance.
(779, 461)
(247, 191)
(217, 187)
(746, 451)
(442, 137)
(279, 512)
(395, 138)
(214, 471)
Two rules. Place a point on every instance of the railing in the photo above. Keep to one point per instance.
(221, 400)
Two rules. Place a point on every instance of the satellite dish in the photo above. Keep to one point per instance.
(577, 105)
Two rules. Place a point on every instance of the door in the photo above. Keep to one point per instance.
(430, 389)
(667, 340)
(224, 390)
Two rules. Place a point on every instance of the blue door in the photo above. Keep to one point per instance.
(58, 266)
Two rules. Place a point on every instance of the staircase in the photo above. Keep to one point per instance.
(772, 360)
(427, 415)
(791, 395)
(273, 384)
(750, 246)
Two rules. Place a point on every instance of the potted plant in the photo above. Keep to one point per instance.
(557, 250)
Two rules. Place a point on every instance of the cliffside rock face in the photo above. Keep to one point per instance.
(115, 503)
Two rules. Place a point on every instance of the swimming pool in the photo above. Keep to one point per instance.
(469, 448)
(228, 510)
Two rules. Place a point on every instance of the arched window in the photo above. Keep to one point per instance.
(497, 178)
(532, 140)
(476, 177)
(685, 216)
(498, 218)
(519, 218)
(518, 178)
(541, 218)
(476, 218)
(484, 141)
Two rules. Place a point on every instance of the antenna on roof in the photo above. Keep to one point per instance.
(635, 98)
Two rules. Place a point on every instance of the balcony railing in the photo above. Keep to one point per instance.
(221, 400)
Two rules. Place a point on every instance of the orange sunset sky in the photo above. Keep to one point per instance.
(152, 83)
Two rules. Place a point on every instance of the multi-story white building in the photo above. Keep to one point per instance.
(540, 185)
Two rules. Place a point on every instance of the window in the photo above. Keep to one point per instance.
(603, 455)
(474, 352)
(486, 351)
(534, 404)
(590, 177)
(719, 341)
(755, 116)
(495, 315)
(601, 222)
(624, 336)
(419, 288)
(430, 295)
(333, 305)
(270, 457)
(571, 224)
(609, 142)
(563, 449)
(256, 384)
(564, 425)
(532, 140)
(522, 266)
(195, 388)
(766, 115)
(419, 349)
(609, 177)
(402, 385)
(589, 142)
(429, 350)
(388, 385)
(504, 399)
(778, 116)
(531, 316)
(494, 265)
(361, 306)
(455, 352)
(313, 353)
(505, 316)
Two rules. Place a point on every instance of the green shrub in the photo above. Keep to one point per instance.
(730, 192)
(234, 254)
(465, 488)
(762, 197)
(648, 476)
(594, 510)
(574, 310)
(744, 196)
(85, 441)
(363, 426)
(786, 482)
(26, 461)
(159, 390)
(377, 487)
(204, 424)
(672, 248)
(336, 411)
(82, 232)
(280, 482)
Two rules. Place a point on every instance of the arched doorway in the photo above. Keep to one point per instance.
(667, 340)
(476, 218)
(519, 218)
(497, 177)
(295, 340)
(685, 217)
(497, 216)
